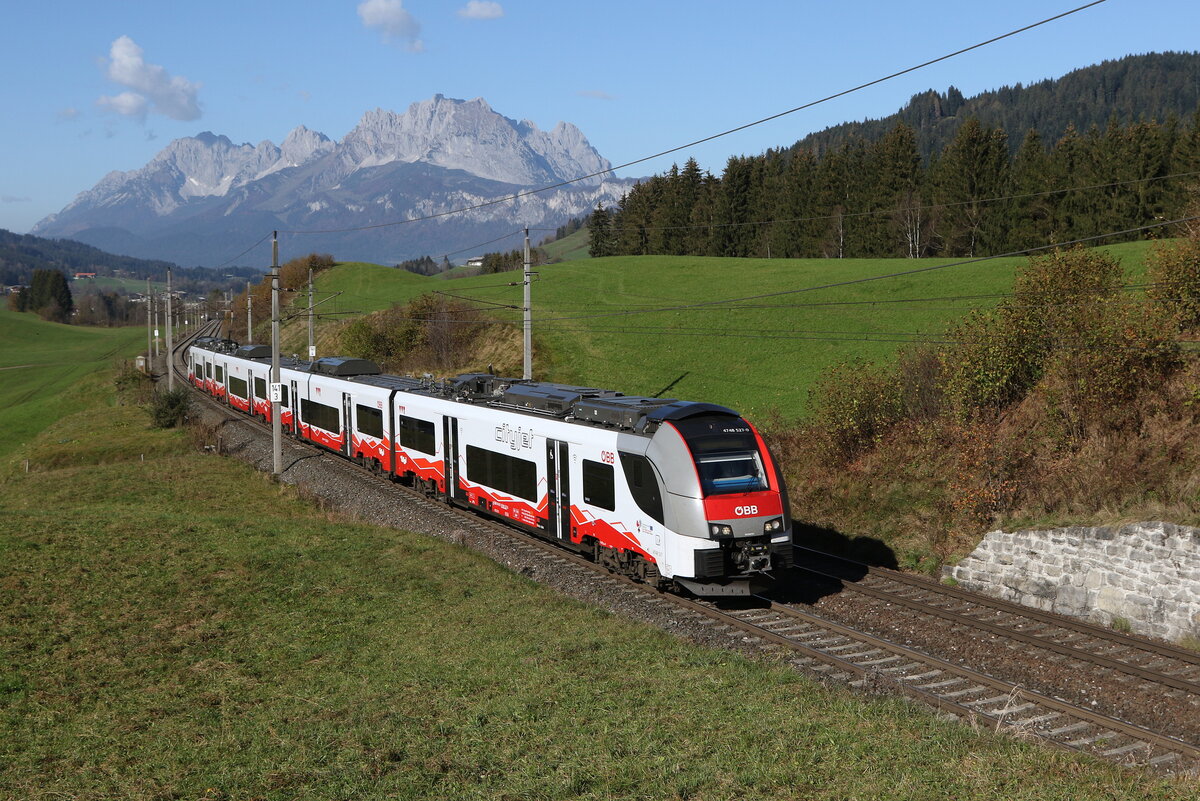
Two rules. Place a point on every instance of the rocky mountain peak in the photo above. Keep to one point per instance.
(441, 153)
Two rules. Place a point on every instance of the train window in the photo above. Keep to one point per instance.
(260, 387)
(416, 434)
(220, 374)
(370, 421)
(321, 416)
(643, 484)
(283, 399)
(501, 472)
(599, 488)
(238, 387)
(208, 369)
(726, 453)
(735, 472)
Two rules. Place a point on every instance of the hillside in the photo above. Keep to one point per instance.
(44, 365)
(596, 324)
(21, 254)
(1154, 86)
(175, 626)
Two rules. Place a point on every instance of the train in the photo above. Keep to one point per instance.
(682, 495)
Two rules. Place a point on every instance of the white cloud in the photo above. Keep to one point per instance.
(68, 114)
(128, 104)
(596, 94)
(481, 9)
(151, 88)
(390, 17)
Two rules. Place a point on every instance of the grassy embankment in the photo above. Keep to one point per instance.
(45, 369)
(759, 357)
(569, 248)
(181, 627)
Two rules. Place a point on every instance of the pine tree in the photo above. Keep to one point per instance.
(973, 168)
(1033, 211)
(600, 240)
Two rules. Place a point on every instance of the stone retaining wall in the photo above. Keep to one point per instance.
(1146, 574)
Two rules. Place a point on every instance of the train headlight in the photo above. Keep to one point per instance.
(773, 525)
(721, 530)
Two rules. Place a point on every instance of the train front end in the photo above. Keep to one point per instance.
(727, 500)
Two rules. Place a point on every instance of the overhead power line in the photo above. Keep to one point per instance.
(898, 274)
(906, 209)
(706, 139)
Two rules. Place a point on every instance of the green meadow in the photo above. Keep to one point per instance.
(44, 370)
(175, 626)
(649, 325)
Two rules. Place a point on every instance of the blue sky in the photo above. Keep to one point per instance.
(90, 87)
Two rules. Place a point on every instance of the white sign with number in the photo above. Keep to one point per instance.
(276, 393)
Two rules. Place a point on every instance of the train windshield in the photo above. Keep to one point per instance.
(726, 454)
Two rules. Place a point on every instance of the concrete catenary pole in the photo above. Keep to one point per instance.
(249, 318)
(528, 372)
(170, 339)
(149, 332)
(156, 305)
(276, 386)
(312, 345)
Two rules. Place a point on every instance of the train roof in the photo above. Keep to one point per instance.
(605, 408)
(593, 406)
(216, 344)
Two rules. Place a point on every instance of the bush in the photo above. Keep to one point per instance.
(169, 408)
(1174, 272)
(853, 407)
(1062, 307)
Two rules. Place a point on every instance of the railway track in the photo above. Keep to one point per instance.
(875, 662)
(1160, 664)
(835, 651)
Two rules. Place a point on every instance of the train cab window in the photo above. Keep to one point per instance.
(599, 488)
(260, 387)
(370, 421)
(643, 484)
(416, 434)
(726, 453)
(321, 416)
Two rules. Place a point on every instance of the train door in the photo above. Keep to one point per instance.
(558, 490)
(347, 425)
(450, 455)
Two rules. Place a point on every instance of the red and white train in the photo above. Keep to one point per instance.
(663, 490)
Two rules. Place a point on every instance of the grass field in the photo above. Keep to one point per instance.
(43, 365)
(615, 322)
(104, 283)
(569, 248)
(173, 625)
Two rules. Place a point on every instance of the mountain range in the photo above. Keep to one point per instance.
(203, 199)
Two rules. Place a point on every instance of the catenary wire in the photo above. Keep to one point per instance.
(887, 276)
(676, 149)
(893, 210)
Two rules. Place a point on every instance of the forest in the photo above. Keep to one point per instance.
(976, 196)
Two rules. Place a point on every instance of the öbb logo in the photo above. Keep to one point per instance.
(745, 511)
